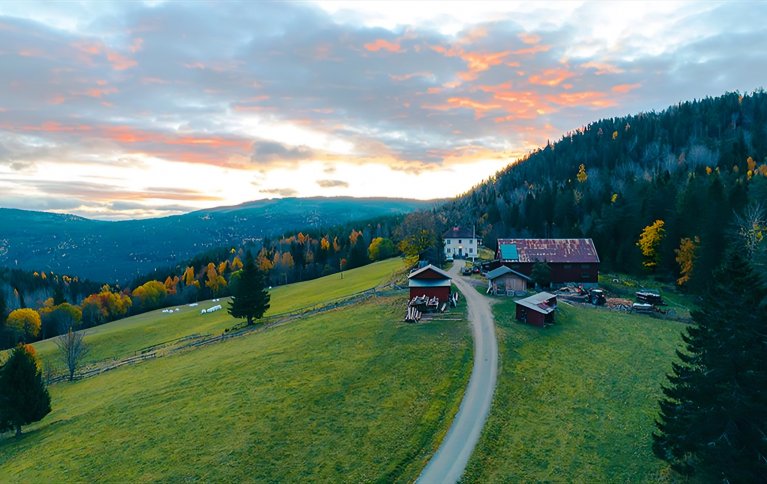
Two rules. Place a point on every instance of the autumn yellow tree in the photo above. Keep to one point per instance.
(188, 276)
(222, 267)
(105, 306)
(236, 264)
(287, 261)
(325, 243)
(25, 322)
(582, 175)
(380, 249)
(649, 243)
(171, 284)
(685, 257)
(263, 262)
(213, 279)
(150, 295)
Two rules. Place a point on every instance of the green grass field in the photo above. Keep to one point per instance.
(125, 337)
(576, 402)
(347, 395)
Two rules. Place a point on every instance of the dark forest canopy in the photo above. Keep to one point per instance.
(694, 166)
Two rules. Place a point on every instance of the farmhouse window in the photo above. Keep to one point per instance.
(460, 241)
(584, 266)
(568, 266)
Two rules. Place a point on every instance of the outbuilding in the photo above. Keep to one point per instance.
(503, 280)
(430, 281)
(537, 309)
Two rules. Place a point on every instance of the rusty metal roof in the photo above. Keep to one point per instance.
(549, 250)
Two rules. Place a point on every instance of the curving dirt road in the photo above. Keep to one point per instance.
(448, 463)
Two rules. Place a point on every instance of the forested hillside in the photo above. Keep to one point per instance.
(119, 251)
(697, 167)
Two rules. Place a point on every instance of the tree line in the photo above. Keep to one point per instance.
(41, 305)
(656, 191)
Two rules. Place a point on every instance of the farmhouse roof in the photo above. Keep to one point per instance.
(502, 271)
(430, 267)
(429, 283)
(538, 302)
(458, 233)
(549, 250)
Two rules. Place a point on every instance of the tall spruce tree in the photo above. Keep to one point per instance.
(713, 418)
(251, 298)
(23, 396)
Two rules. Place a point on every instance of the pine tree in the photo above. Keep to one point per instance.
(713, 417)
(23, 396)
(251, 298)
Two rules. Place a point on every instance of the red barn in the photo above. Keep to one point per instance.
(537, 309)
(571, 260)
(430, 281)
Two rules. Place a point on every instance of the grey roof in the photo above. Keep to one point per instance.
(503, 270)
(537, 302)
(429, 283)
(424, 269)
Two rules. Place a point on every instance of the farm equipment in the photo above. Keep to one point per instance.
(648, 296)
(597, 297)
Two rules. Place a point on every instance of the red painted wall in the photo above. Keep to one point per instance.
(561, 273)
(443, 293)
(533, 317)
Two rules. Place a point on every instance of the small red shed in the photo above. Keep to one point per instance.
(430, 281)
(537, 309)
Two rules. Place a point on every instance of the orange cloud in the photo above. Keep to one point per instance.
(624, 88)
(473, 35)
(30, 53)
(593, 99)
(100, 92)
(479, 61)
(136, 45)
(405, 77)
(529, 39)
(551, 77)
(531, 50)
(120, 62)
(602, 68)
(382, 44)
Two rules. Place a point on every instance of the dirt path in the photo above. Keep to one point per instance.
(450, 460)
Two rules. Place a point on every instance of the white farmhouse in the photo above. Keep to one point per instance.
(461, 244)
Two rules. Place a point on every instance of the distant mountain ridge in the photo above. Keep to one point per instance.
(117, 251)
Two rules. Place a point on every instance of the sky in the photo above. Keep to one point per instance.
(116, 110)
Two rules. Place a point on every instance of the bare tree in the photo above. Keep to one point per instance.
(72, 349)
(751, 227)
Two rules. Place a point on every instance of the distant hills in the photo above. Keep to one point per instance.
(118, 251)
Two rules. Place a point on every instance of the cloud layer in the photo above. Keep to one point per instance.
(222, 103)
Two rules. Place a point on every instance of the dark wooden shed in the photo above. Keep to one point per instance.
(537, 309)
(430, 281)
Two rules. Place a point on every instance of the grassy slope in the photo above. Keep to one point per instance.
(348, 395)
(122, 338)
(577, 401)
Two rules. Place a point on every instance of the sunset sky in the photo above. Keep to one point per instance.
(138, 109)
